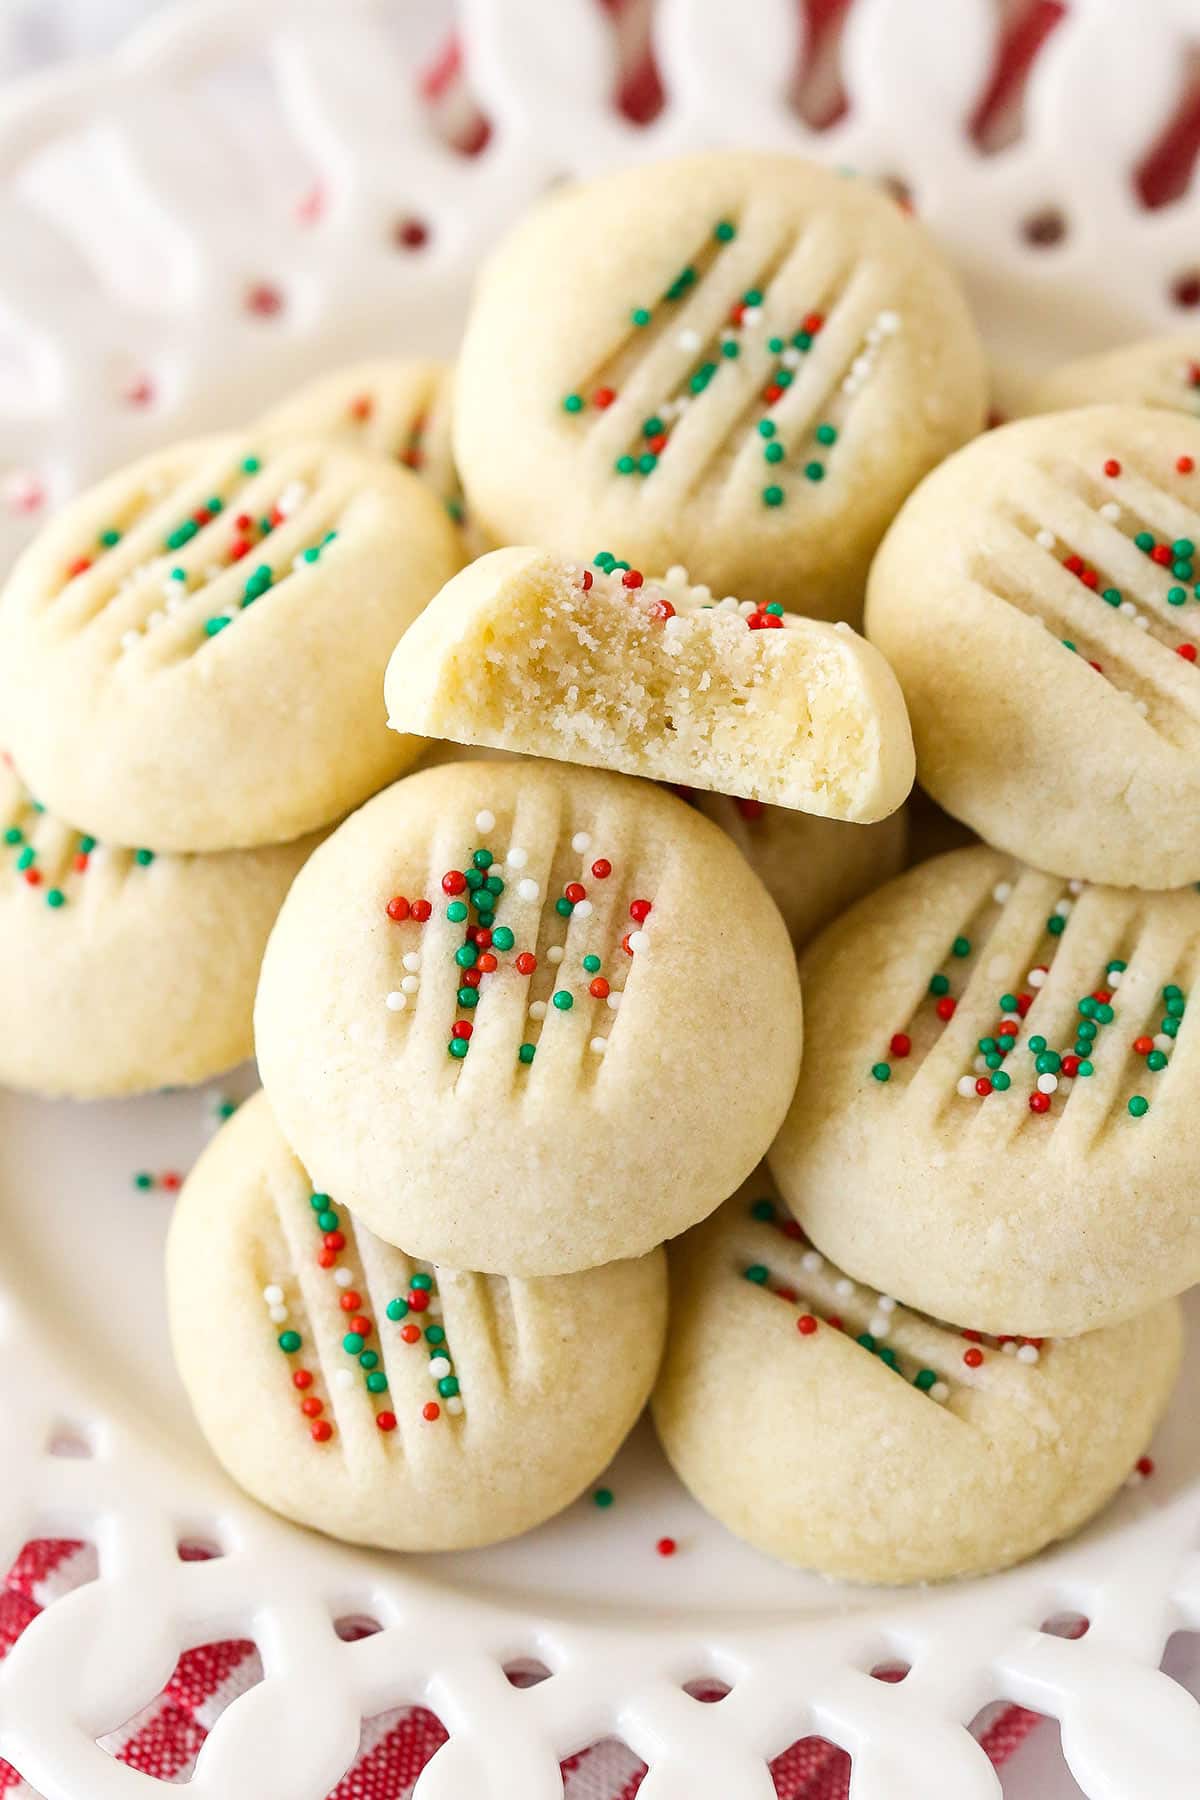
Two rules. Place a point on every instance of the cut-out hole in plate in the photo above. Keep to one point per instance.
(999, 115)
(892, 1670)
(45, 1569)
(199, 1546)
(393, 1748)
(68, 1438)
(1067, 1624)
(811, 1765)
(526, 1672)
(1029, 1760)
(167, 1734)
(353, 1627)
(1185, 290)
(264, 300)
(1044, 228)
(608, 1766)
(411, 233)
(819, 92)
(1167, 168)
(707, 1689)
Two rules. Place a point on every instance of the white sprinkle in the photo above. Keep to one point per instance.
(516, 859)
(1063, 908)
(1162, 1041)
(439, 1366)
(599, 1045)
(410, 984)
(752, 315)
(344, 1277)
(1036, 978)
(885, 1303)
(879, 1326)
(537, 1009)
(888, 322)
(273, 1294)
(581, 841)
(701, 592)
(966, 1086)
(344, 1377)
(583, 909)
(412, 960)
(1128, 608)
(527, 889)
(1141, 621)
(688, 339)
(1110, 510)
(676, 576)
(130, 640)
(1028, 1353)
(980, 1065)
(1114, 978)
(1045, 540)
(639, 941)
(555, 953)
(791, 357)
(293, 495)
(454, 1404)
(1009, 1348)
(812, 1262)
(485, 821)
(1002, 892)
(279, 1315)
(396, 1001)
(939, 1391)
(1075, 886)
(843, 1288)
(614, 1001)
(1047, 1084)
(1142, 707)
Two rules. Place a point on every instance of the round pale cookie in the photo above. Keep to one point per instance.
(122, 971)
(995, 1118)
(377, 1397)
(397, 407)
(833, 1428)
(528, 1120)
(737, 361)
(813, 869)
(1039, 600)
(191, 653)
(525, 651)
(1162, 372)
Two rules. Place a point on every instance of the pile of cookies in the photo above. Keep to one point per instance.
(526, 1016)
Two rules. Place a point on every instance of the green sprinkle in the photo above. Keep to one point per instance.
(1048, 1063)
(924, 1379)
(456, 912)
(1172, 992)
(775, 609)
(1176, 596)
(467, 997)
(563, 1000)
(1037, 1045)
(752, 297)
(1056, 925)
(289, 1341)
(1113, 596)
(251, 465)
(434, 1334)
(772, 496)
(774, 452)
(1104, 1013)
(368, 1360)
(703, 375)
(1183, 547)
(986, 1045)
(961, 947)
(564, 907)
(421, 1283)
(888, 1355)
(1005, 1042)
(25, 860)
(647, 462)
(652, 427)
(397, 1308)
(1086, 1068)
(486, 917)
(573, 403)
(502, 938)
(319, 1202)
(182, 534)
(724, 232)
(448, 1386)
(756, 1273)
(730, 347)
(1008, 1003)
(526, 1053)
(466, 956)
(625, 465)
(939, 984)
(377, 1382)
(603, 1497)
(1001, 1081)
(458, 1047)
(640, 315)
(881, 1071)
(352, 1343)
(143, 858)
(212, 626)
(1156, 1060)
(1087, 1029)
(826, 434)
(1116, 967)
(328, 1220)
(1169, 1027)
(815, 471)
(1144, 540)
(56, 898)
(763, 1210)
(1139, 1106)
(13, 835)
(866, 1340)
(483, 859)
(143, 1181)
(681, 284)
(782, 378)
(803, 340)
(109, 538)
(766, 428)
(590, 963)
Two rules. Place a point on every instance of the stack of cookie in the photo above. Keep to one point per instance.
(195, 735)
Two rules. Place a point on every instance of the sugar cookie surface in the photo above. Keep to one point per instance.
(123, 971)
(737, 361)
(832, 1427)
(396, 407)
(191, 652)
(375, 1396)
(995, 1118)
(813, 869)
(600, 665)
(1039, 600)
(1162, 372)
(503, 1011)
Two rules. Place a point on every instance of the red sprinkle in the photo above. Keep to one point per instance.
(806, 1324)
(1039, 1103)
(972, 1358)
(421, 910)
(1187, 651)
(361, 1324)
(1070, 1065)
(302, 1379)
(362, 407)
(639, 910)
(1161, 554)
(632, 578)
(901, 1044)
(586, 580)
(398, 908)
(386, 1421)
(604, 396)
(462, 1029)
(1144, 1465)
(946, 1006)
(813, 322)
(1112, 466)
(321, 1432)
(79, 566)
(311, 1407)
(1185, 464)
(666, 1546)
(1143, 1045)
(983, 1087)
(487, 964)
(453, 881)
(410, 1333)
(575, 892)
(350, 1301)
(419, 1299)
(526, 963)
(431, 1410)
(599, 988)
(661, 609)
(602, 868)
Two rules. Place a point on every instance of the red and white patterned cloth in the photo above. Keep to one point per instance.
(164, 1739)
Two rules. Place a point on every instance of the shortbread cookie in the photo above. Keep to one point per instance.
(995, 1119)
(813, 869)
(1162, 372)
(595, 664)
(122, 971)
(527, 1018)
(737, 361)
(1039, 600)
(375, 1396)
(191, 653)
(397, 407)
(833, 1428)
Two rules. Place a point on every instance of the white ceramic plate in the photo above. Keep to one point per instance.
(128, 270)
